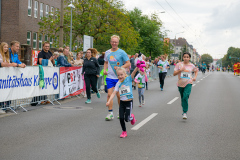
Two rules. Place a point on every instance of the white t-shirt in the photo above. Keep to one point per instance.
(142, 77)
(164, 65)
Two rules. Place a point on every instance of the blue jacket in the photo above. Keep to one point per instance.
(14, 57)
(61, 61)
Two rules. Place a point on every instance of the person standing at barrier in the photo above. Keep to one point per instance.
(5, 62)
(13, 54)
(63, 60)
(91, 71)
(163, 65)
(114, 58)
(124, 88)
(185, 80)
(44, 56)
(204, 66)
(79, 60)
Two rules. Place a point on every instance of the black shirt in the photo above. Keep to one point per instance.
(91, 66)
(44, 55)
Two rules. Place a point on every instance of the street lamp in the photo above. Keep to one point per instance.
(175, 41)
(71, 6)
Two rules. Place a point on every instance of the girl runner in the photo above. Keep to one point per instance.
(124, 88)
(185, 80)
(141, 79)
(163, 65)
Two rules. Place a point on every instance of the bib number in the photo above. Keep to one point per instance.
(124, 90)
(185, 75)
(141, 85)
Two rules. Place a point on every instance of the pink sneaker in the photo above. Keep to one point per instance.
(124, 134)
(133, 121)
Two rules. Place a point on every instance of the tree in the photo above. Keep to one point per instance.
(207, 58)
(151, 42)
(232, 56)
(99, 19)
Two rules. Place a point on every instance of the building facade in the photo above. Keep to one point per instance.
(19, 21)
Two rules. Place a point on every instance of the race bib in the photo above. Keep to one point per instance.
(185, 75)
(141, 85)
(124, 90)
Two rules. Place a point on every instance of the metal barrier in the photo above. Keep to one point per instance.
(14, 104)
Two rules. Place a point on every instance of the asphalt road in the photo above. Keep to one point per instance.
(76, 131)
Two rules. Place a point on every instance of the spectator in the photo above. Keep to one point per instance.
(156, 61)
(60, 51)
(91, 71)
(63, 60)
(79, 60)
(13, 51)
(150, 59)
(133, 66)
(70, 58)
(101, 59)
(94, 52)
(55, 57)
(5, 62)
(45, 54)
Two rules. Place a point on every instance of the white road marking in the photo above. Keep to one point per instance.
(194, 85)
(139, 125)
(201, 79)
(174, 99)
(198, 81)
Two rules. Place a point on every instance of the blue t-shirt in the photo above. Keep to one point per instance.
(116, 58)
(125, 88)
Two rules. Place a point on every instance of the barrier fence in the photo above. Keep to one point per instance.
(19, 87)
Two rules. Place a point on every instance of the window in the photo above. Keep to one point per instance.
(41, 10)
(46, 38)
(51, 10)
(51, 42)
(34, 40)
(29, 38)
(56, 11)
(29, 7)
(36, 9)
(40, 41)
(47, 11)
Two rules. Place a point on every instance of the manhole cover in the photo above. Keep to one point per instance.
(68, 107)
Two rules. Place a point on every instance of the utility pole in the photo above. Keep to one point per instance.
(61, 25)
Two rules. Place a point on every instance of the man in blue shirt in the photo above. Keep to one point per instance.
(13, 54)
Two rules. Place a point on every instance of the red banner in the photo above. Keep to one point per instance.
(34, 57)
(71, 81)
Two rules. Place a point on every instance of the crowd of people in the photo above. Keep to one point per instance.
(121, 72)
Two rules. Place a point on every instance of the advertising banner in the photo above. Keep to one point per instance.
(71, 81)
(18, 83)
(34, 57)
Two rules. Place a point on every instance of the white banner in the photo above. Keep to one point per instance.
(18, 83)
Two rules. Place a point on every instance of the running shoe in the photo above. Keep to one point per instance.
(109, 117)
(143, 102)
(184, 115)
(88, 101)
(140, 105)
(124, 134)
(161, 89)
(98, 95)
(133, 121)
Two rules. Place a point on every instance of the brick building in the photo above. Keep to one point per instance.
(19, 21)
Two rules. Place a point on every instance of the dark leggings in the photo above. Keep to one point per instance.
(161, 78)
(90, 79)
(125, 110)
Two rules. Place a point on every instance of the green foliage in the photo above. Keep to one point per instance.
(99, 19)
(207, 58)
(232, 52)
(151, 39)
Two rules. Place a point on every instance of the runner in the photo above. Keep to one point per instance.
(228, 68)
(163, 65)
(124, 88)
(185, 80)
(204, 66)
(114, 58)
(141, 79)
(148, 71)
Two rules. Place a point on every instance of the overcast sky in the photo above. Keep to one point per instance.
(211, 26)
